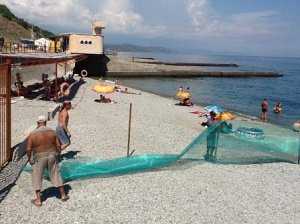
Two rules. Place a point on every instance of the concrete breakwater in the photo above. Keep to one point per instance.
(191, 74)
(119, 67)
(190, 64)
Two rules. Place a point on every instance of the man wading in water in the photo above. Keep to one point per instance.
(62, 130)
(43, 149)
(264, 110)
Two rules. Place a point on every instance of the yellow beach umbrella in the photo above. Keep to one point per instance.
(226, 116)
(103, 89)
(183, 95)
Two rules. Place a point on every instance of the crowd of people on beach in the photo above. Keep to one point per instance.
(185, 99)
(45, 145)
(50, 89)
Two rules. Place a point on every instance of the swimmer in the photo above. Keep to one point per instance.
(278, 108)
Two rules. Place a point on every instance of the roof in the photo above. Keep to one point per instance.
(43, 38)
(43, 58)
(27, 40)
(69, 34)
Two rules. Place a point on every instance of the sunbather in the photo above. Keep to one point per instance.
(103, 99)
(125, 91)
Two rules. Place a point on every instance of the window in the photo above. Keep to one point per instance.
(86, 42)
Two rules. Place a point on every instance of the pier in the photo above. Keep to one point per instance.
(119, 67)
(192, 74)
(191, 64)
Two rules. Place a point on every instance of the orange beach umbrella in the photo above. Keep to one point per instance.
(183, 95)
(103, 89)
(226, 116)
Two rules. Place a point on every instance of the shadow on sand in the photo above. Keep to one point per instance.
(74, 88)
(69, 155)
(53, 192)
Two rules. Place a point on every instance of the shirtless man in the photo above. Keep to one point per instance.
(62, 130)
(42, 150)
(264, 110)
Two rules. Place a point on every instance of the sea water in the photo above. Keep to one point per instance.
(242, 95)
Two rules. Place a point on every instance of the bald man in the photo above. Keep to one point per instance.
(43, 149)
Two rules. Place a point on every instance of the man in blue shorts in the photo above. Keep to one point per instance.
(62, 130)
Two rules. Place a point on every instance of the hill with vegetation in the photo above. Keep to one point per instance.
(14, 28)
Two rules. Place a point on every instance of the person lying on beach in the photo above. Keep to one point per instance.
(62, 130)
(125, 91)
(103, 99)
(118, 88)
(200, 113)
(43, 149)
(185, 102)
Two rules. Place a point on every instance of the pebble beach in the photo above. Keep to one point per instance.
(196, 192)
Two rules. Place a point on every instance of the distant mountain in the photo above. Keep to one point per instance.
(137, 48)
(14, 28)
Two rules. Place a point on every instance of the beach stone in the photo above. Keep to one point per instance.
(197, 192)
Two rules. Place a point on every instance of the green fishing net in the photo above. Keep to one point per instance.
(243, 142)
(237, 142)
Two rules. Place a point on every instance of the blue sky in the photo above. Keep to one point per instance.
(249, 27)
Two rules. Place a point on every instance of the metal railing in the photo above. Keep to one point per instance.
(5, 114)
(14, 48)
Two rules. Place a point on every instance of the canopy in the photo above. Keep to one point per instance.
(214, 108)
(226, 116)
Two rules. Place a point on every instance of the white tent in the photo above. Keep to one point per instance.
(42, 43)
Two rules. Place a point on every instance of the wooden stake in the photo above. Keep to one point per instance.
(299, 152)
(56, 84)
(129, 131)
(8, 110)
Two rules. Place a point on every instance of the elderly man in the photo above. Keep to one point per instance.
(43, 148)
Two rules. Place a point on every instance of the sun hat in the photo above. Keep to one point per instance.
(42, 118)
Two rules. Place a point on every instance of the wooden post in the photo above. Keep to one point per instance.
(65, 69)
(8, 109)
(56, 84)
(55, 45)
(129, 131)
(299, 151)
